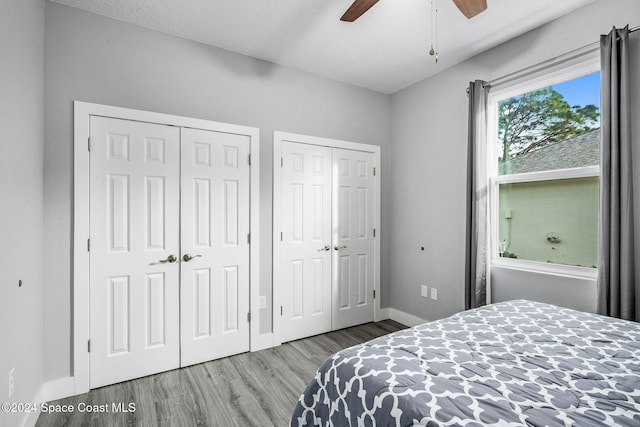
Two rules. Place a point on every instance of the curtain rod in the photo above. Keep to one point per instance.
(562, 57)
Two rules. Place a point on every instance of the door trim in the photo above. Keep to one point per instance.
(278, 138)
(82, 112)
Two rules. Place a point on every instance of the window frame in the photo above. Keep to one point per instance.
(557, 72)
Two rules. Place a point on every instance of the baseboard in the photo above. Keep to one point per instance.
(383, 314)
(264, 341)
(405, 318)
(30, 418)
(59, 389)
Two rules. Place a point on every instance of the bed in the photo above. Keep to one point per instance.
(508, 364)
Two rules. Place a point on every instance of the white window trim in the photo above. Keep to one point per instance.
(563, 70)
(584, 172)
(560, 270)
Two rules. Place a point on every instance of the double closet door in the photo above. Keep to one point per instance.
(327, 241)
(169, 254)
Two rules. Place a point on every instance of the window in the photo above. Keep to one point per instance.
(545, 154)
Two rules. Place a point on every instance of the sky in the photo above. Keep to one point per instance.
(581, 91)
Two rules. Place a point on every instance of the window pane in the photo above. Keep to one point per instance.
(556, 127)
(552, 221)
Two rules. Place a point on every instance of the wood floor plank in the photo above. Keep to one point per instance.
(250, 389)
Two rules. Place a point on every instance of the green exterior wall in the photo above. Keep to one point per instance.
(568, 208)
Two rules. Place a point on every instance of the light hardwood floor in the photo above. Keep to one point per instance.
(250, 389)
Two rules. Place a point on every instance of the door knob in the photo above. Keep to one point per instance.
(170, 258)
(337, 248)
(326, 248)
(188, 257)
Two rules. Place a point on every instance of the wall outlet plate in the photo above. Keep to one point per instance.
(262, 302)
(434, 294)
(424, 291)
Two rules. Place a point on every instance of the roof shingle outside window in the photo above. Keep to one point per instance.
(575, 152)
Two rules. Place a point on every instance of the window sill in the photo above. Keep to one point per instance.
(546, 268)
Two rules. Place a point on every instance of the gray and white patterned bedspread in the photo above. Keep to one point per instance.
(507, 364)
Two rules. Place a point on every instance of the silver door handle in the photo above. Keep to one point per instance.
(326, 248)
(337, 248)
(188, 257)
(170, 258)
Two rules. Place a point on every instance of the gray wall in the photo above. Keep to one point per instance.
(21, 89)
(95, 59)
(429, 133)
(572, 292)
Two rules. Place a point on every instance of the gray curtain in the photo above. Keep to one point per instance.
(618, 267)
(476, 245)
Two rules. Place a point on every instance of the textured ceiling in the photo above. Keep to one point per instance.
(385, 50)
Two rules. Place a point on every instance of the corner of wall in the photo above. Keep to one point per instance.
(21, 222)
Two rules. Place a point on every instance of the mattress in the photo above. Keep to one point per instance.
(508, 364)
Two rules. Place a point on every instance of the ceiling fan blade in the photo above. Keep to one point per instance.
(357, 9)
(471, 8)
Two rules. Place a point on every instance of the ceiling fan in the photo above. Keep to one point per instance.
(469, 8)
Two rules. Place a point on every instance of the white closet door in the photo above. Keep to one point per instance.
(353, 240)
(134, 276)
(306, 240)
(215, 228)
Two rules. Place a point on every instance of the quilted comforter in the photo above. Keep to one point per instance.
(508, 364)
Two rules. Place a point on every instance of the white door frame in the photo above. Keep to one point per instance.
(82, 113)
(278, 137)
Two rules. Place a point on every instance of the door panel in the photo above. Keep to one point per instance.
(353, 241)
(306, 239)
(134, 311)
(215, 218)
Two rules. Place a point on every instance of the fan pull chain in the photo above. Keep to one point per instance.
(434, 30)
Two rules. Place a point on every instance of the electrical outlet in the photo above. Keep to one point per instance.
(434, 294)
(12, 382)
(424, 291)
(262, 302)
